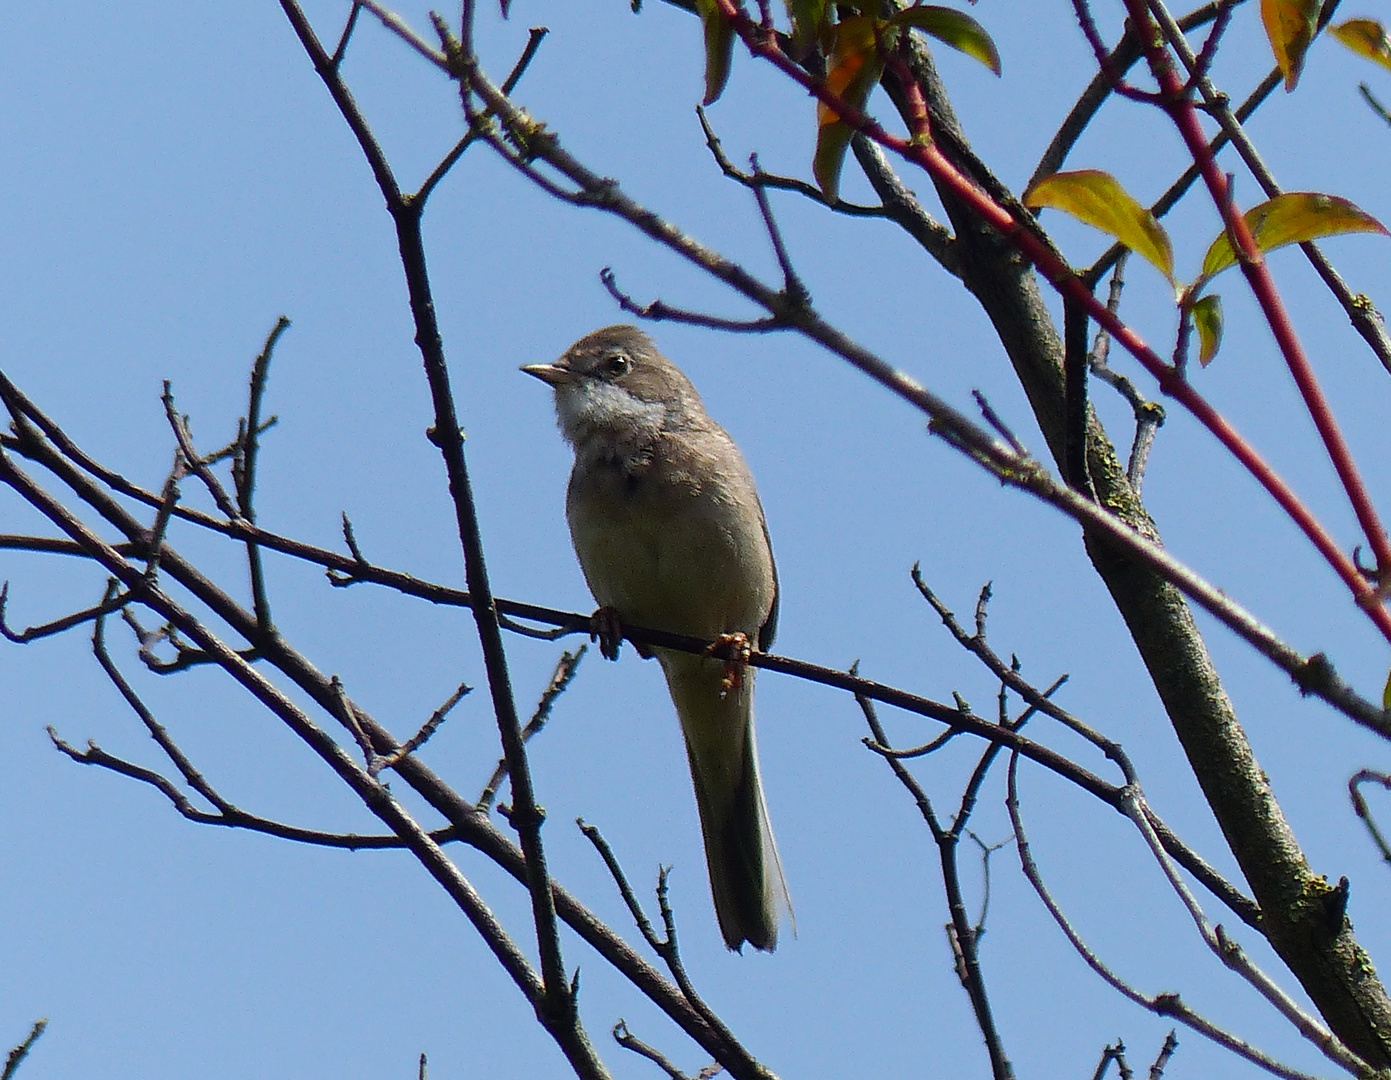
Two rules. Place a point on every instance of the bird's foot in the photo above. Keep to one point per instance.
(734, 650)
(606, 627)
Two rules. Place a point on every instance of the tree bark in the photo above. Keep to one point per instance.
(1303, 916)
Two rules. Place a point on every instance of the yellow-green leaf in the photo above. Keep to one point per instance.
(952, 28)
(1386, 695)
(1365, 37)
(719, 48)
(1207, 318)
(1097, 198)
(1292, 218)
(1290, 26)
(854, 70)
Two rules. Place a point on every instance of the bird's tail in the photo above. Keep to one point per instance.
(746, 875)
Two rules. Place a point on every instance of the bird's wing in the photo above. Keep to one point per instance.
(769, 629)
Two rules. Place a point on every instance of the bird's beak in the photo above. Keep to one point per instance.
(552, 374)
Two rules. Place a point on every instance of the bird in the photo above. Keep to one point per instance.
(671, 535)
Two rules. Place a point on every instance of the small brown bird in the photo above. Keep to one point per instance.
(671, 536)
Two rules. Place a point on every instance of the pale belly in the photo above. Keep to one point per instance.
(671, 557)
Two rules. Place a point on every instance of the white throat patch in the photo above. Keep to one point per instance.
(590, 405)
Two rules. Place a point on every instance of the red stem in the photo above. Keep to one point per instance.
(1179, 106)
(924, 153)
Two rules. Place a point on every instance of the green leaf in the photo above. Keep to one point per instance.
(1292, 218)
(1097, 198)
(719, 48)
(1386, 695)
(1207, 318)
(812, 23)
(854, 70)
(1290, 26)
(952, 28)
(1365, 37)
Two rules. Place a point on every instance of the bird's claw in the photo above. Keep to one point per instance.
(606, 627)
(734, 650)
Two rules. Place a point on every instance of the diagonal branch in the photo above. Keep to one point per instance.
(374, 795)
(556, 1005)
(1167, 1004)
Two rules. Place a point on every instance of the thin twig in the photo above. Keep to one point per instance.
(1231, 954)
(992, 418)
(561, 677)
(794, 290)
(427, 729)
(760, 179)
(1109, 1054)
(1167, 1004)
(661, 311)
(538, 34)
(112, 601)
(1165, 1053)
(20, 1052)
(178, 423)
(666, 947)
(341, 49)
(963, 936)
(1149, 415)
(233, 817)
(1359, 806)
(244, 467)
(629, 1041)
(1376, 106)
(625, 890)
(167, 503)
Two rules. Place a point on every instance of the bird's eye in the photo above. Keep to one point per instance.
(616, 364)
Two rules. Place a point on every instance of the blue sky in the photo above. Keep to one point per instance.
(176, 178)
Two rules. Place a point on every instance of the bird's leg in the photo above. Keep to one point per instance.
(734, 650)
(606, 627)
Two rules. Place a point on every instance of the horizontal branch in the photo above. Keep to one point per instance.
(957, 720)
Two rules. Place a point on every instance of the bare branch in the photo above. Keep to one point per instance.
(178, 423)
(661, 311)
(1165, 1053)
(1117, 1054)
(760, 179)
(427, 729)
(561, 677)
(629, 1041)
(244, 463)
(20, 1052)
(615, 869)
(1168, 1004)
(1231, 954)
(557, 1006)
(113, 601)
(962, 935)
(1359, 806)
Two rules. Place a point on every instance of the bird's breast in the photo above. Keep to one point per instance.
(669, 547)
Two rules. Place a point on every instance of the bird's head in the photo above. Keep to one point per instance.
(614, 384)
